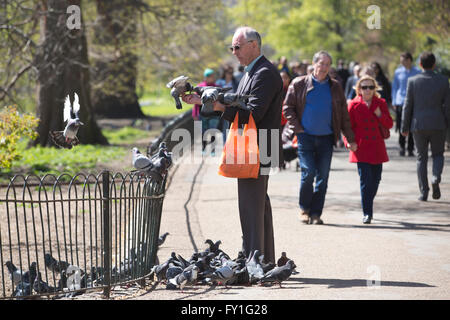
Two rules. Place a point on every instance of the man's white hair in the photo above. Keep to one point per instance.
(250, 34)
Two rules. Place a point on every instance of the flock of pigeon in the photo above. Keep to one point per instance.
(71, 277)
(214, 267)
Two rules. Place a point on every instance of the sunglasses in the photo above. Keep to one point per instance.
(236, 48)
(367, 87)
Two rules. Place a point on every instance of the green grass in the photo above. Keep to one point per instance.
(161, 104)
(125, 135)
(82, 158)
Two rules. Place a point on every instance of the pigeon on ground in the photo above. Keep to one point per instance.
(41, 286)
(187, 277)
(14, 273)
(222, 275)
(68, 138)
(55, 265)
(279, 274)
(162, 238)
(184, 263)
(254, 267)
(31, 274)
(179, 85)
(282, 260)
(161, 269)
(235, 100)
(22, 289)
(213, 247)
(266, 266)
(173, 271)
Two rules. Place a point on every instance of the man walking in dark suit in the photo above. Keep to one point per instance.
(426, 113)
(262, 81)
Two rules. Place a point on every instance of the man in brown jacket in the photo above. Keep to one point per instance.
(316, 110)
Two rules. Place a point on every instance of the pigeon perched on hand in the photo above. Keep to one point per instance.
(179, 85)
(68, 138)
(279, 274)
(235, 100)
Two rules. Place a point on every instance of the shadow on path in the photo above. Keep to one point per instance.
(349, 283)
(396, 225)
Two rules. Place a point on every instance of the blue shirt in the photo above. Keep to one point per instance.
(316, 118)
(400, 82)
(251, 64)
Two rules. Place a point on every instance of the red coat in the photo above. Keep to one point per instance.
(371, 146)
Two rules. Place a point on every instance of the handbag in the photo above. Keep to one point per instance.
(385, 133)
(240, 155)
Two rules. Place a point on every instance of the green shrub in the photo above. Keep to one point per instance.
(13, 126)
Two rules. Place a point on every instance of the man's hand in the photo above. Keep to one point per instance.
(352, 146)
(191, 98)
(217, 106)
(405, 134)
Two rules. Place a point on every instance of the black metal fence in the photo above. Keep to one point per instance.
(67, 235)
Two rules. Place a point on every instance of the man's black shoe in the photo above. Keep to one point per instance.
(410, 153)
(402, 152)
(367, 219)
(423, 197)
(436, 191)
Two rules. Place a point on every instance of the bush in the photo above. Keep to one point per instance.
(13, 126)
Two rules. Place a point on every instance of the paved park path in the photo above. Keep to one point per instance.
(403, 254)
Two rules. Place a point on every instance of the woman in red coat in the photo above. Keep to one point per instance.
(367, 112)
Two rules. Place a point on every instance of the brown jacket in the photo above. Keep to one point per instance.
(295, 101)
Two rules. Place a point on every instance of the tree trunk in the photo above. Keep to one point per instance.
(115, 62)
(63, 68)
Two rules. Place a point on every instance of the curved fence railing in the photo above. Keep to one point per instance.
(70, 234)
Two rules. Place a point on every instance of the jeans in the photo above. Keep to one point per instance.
(370, 176)
(314, 153)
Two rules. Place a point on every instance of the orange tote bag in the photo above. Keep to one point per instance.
(240, 155)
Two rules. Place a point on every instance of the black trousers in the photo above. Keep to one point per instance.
(401, 138)
(436, 140)
(255, 214)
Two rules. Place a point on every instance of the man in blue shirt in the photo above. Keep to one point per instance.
(399, 83)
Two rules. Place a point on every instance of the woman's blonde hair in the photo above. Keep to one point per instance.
(357, 87)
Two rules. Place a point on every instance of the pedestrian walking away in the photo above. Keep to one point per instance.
(426, 114)
(401, 75)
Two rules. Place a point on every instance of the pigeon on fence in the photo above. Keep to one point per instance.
(279, 274)
(156, 166)
(68, 138)
(162, 238)
(15, 273)
(179, 85)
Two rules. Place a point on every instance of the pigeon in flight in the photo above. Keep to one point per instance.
(178, 86)
(279, 274)
(68, 138)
